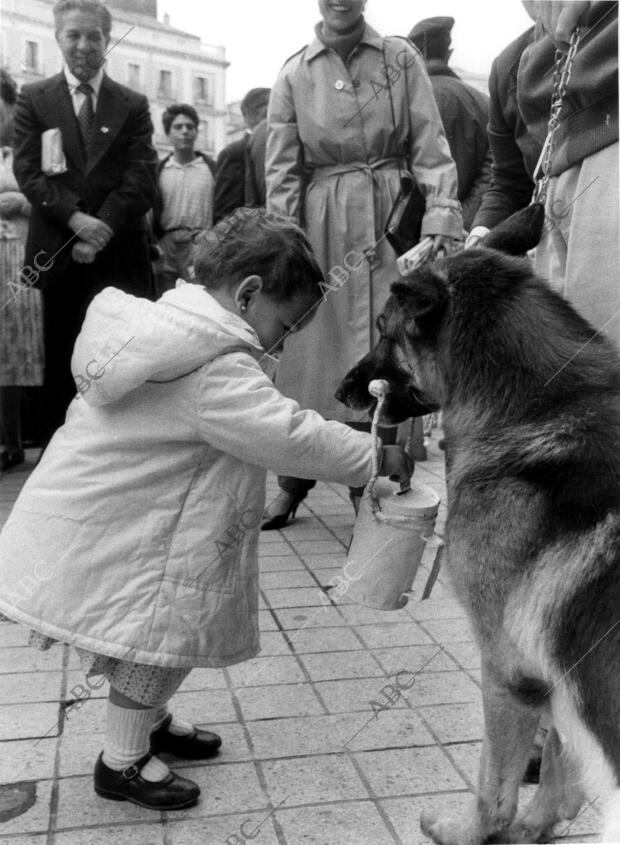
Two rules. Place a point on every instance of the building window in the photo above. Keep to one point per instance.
(31, 56)
(133, 77)
(165, 84)
(204, 89)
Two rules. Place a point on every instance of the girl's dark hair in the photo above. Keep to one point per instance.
(253, 241)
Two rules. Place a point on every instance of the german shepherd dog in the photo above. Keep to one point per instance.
(531, 402)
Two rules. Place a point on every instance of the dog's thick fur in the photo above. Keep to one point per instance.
(531, 403)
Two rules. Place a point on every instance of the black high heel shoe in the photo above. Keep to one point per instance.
(281, 519)
(8, 460)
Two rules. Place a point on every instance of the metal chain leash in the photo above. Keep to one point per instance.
(562, 71)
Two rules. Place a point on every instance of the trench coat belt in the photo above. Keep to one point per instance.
(319, 173)
(389, 163)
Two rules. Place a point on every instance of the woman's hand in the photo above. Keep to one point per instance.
(11, 204)
(443, 245)
(396, 463)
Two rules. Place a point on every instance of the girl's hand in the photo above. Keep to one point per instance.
(443, 245)
(396, 463)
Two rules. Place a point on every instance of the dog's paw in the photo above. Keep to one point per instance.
(445, 831)
(530, 830)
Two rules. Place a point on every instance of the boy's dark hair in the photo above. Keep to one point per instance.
(254, 105)
(174, 111)
(254, 241)
(95, 6)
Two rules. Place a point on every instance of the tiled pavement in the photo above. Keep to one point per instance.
(307, 757)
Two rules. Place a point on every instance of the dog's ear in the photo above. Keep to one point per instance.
(519, 233)
(422, 301)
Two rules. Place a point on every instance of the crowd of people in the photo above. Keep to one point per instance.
(190, 274)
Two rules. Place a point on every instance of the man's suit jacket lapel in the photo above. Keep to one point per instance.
(112, 111)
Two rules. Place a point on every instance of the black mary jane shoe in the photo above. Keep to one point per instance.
(172, 793)
(197, 745)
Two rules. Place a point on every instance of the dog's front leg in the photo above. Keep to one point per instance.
(510, 727)
(558, 796)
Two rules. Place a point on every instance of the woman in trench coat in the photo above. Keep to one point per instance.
(348, 115)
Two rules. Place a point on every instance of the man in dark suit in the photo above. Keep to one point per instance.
(235, 159)
(87, 228)
(464, 113)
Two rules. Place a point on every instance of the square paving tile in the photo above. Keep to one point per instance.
(267, 621)
(467, 655)
(324, 640)
(449, 630)
(355, 695)
(13, 634)
(21, 721)
(129, 834)
(285, 580)
(237, 828)
(203, 679)
(435, 608)
(298, 597)
(29, 659)
(36, 818)
(409, 771)
(203, 708)
(276, 701)
(340, 665)
(79, 806)
(392, 634)
(455, 722)
(277, 669)
(356, 823)
(27, 759)
(414, 658)
(466, 756)
(234, 788)
(359, 614)
(30, 687)
(309, 617)
(310, 780)
(273, 642)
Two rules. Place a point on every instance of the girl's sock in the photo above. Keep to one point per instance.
(177, 727)
(127, 739)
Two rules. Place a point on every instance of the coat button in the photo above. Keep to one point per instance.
(339, 85)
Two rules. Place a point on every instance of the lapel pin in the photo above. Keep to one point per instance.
(105, 130)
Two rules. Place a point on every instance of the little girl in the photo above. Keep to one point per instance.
(135, 539)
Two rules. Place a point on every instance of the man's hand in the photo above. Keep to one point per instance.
(560, 17)
(83, 253)
(443, 245)
(476, 234)
(396, 463)
(90, 229)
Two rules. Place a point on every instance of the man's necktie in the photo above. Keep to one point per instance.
(86, 115)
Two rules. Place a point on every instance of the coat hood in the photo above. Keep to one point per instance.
(126, 341)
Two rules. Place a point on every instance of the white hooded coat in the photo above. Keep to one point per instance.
(136, 536)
